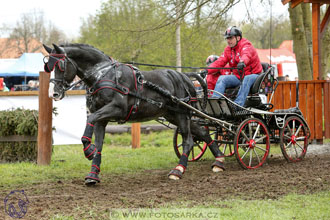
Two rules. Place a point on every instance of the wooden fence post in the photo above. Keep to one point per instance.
(45, 121)
(136, 133)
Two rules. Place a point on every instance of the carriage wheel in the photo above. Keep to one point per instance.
(294, 139)
(197, 151)
(251, 143)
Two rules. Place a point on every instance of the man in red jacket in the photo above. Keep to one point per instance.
(239, 54)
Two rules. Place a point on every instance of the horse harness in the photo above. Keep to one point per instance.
(101, 70)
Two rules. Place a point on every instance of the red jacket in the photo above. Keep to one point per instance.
(243, 51)
(212, 79)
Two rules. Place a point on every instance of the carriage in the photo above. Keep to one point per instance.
(248, 131)
(118, 92)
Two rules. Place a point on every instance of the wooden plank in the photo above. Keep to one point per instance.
(310, 108)
(278, 97)
(17, 138)
(294, 3)
(316, 41)
(317, 1)
(45, 121)
(35, 93)
(318, 112)
(19, 93)
(293, 94)
(286, 96)
(303, 98)
(326, 99)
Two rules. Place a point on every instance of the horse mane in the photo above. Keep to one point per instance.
(85, 50)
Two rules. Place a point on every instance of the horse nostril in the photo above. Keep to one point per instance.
(56, 95)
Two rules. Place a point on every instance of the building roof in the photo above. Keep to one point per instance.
(287, 44)
(275, 56)
(12, 48)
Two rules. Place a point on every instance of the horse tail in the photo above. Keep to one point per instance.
(203, 86)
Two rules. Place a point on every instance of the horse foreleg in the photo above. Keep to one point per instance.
(202, 134)
(187, 143)
(89, 148)
(93, 175)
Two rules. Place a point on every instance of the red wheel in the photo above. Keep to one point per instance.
(294, 139)
(251, 143)
(197, 151)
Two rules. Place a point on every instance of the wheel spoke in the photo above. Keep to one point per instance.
(250, 131)
(192, 153)
(244, 135)
(245, 153)
(260, 148)
(297, 132)
(256, 132)
(300, 146)
(250, 162)
(260, 139)
(287, 137)
(255, 152)
(293, 126)
(300, 139)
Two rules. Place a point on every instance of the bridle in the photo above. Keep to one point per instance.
(60, 60)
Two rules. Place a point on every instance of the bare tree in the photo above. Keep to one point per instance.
(31, 27)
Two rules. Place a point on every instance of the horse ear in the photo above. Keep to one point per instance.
(58, 49)
(48, 49)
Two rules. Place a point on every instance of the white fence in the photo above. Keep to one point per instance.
(70, 121)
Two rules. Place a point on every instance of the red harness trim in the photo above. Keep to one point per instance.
(109, 87)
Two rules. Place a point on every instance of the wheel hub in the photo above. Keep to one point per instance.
(252, 143)
(293, 139)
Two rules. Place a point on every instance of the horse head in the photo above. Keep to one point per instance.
(68, 61)
(65, 70)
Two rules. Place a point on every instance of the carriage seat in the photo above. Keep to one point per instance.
(232, 92)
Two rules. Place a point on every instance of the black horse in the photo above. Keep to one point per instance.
(118, 92)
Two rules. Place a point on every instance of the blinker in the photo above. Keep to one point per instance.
(53, 60)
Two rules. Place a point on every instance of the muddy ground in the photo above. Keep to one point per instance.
(199, 186)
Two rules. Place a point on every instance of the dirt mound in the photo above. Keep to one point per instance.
(152, 188)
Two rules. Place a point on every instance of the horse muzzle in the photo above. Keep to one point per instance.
(54, 92)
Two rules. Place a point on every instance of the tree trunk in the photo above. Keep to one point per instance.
(300, 47)
(178, 46)
(307, 19)
(325, 53)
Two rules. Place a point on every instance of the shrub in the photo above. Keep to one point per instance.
(22, 123)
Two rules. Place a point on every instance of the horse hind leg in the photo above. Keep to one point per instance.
(203, 134)
(187, 143)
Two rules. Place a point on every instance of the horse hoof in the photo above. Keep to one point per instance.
(173, 177)
(216, 169)
(218, 166)
(90, 182)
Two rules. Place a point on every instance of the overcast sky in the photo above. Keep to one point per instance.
(67, 15)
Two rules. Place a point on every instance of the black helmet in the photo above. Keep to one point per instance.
(233, 31)
(211, 59)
